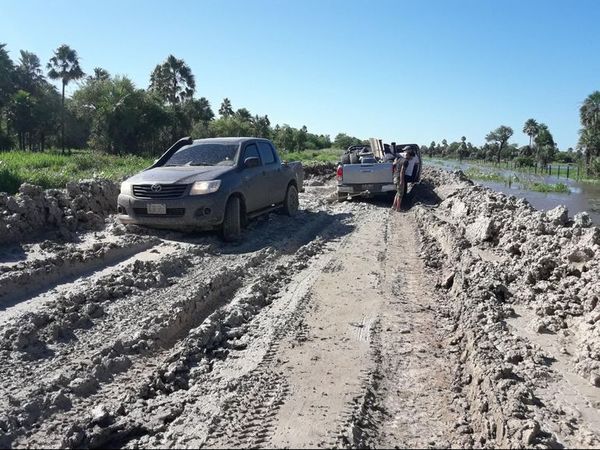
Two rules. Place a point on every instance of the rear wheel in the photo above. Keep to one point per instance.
(291, 202)
(232, 222)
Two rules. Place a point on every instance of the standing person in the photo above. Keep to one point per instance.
(405, 170)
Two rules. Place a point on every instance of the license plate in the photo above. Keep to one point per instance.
(156, 208)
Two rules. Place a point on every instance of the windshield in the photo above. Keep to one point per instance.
(204, 155)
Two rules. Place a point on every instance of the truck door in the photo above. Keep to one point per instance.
(255, 181)
(274, 173)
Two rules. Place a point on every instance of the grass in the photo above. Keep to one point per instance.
(557, 168)
(547, 187)
(536, 186)
(54, 170)
(476, 174)
(314, 156)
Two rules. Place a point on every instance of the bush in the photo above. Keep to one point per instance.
(524, 161)
(6, 142)
(9, 181)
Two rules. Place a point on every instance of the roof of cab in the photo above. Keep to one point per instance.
(227, 140)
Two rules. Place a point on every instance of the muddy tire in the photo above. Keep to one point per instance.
(232, 222)
(291, 202)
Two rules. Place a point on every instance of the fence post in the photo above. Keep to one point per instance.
(568, 172)
(558, 172)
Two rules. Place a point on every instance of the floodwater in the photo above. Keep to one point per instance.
(581, 196)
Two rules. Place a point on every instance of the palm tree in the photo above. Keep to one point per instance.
(29, 71)
(64, 66)
(100, 74)
(226, 110)
(531, 129)
(590, 110)
(590, 119)
(173, 80)
(6, 79)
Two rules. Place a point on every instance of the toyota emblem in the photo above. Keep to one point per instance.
(156, 188)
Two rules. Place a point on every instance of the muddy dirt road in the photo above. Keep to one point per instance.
(346, 326)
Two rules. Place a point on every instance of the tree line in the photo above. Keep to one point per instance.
(541, 149)
(110, 114)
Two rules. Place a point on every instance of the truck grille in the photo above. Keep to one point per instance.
(158, 190)
(171, 212)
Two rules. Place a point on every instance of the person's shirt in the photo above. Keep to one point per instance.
(410, 165)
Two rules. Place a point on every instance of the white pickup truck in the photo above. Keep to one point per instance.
(368, 170)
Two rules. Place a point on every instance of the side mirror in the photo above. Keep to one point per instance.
(252, 161)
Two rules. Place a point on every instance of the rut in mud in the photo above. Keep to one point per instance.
(469, 321)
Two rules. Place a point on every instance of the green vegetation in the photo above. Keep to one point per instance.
(547, 187)
(54, 170)
(111, 115)
(477, 174)
(325, 155)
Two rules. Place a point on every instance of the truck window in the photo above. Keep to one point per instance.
(250, 152)
(266, 153)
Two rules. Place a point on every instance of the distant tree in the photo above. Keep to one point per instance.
(20, 115)
(29, 72)
(200, 110)
(432, 149)
(173, 81)
(544, 145)
(243, 114)
(589, 140)
(64, 66)
(226, 110)
(301, 136)
(6, 87)
(100, 74)
(284, 138)
(462, 149)
(342, 140)
(531, 129)
(230, 126)
(261, 126)
(500, 137)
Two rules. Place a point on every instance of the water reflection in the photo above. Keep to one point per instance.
(581, 196)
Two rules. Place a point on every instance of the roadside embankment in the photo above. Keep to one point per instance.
(524, 288)
(80, 206)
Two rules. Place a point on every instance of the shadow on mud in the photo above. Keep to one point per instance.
(418, 194)
(274, 230)
(421, 194)
(12, 254)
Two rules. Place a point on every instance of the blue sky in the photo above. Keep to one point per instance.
(400, 70)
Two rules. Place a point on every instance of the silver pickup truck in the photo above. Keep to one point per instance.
(368, 170)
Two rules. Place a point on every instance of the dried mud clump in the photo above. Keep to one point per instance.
(80, 206)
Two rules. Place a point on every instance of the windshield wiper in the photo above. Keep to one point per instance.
(201, 164)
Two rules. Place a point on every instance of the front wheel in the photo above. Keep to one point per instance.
(291, 202)
(232, 222)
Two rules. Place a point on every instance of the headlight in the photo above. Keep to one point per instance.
(126, 188)
(205, 187)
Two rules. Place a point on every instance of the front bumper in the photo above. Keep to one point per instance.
(198, 211)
